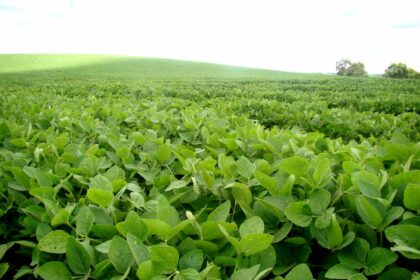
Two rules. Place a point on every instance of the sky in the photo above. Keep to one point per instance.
(288, 35)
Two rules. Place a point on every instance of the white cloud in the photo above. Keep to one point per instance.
(301, 35)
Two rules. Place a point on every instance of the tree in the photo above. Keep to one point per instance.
(396, 70)
(413, 74)
(345, 67)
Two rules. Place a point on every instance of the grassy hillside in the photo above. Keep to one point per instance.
(124, 67)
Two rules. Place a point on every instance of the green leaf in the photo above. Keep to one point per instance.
(241, 193)
(78, 258)
(166, 212)
(245, 167)
(3, 250)
(391, 215)
(187, 274)
(120, 254)
(379, 258)
(322, 170)
(176, 185)
(340, 271)
(84, 221)
(60, 218)
(138, 249)
(146, 270)
(299, 213)
(355, 254)
(368, 212)
(368, 183)
(407, 239)
(269, 183)
(412, 197)
(221, 213)
(101, 182)
(135, 226)
(101, 197)
(3, 269)
(396, 273)
(193, 259)
(294, 165)
(300, 272)
(252, 225)
(319, 200)
(158, 228)
(165, 258)
(54, 271)
(54, 242)
(282, 232)
(42, 178)
(245, 273)
(254, 243)
(163, 153)
(357, 276)
(329, 237)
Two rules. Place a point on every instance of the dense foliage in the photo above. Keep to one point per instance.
(400, 70)
(209, 179)
(345, 67)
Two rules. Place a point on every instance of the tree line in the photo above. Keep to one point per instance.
(345, 67)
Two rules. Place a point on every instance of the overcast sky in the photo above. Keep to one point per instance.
(290, 35)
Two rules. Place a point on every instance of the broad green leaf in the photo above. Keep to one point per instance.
(146, 270)
(158, 228)
(322, 170)
(269, 183)
(138, 249)
(355, 254)
(42, 178)
(299, 213)
(252, 225)
(406, 237)
(221, 213)
(241, 193)
(3, 250)
(120, 254)
(379, 258)
(211, 230)
(395, 273)
(187, 274)
(101, 182)
(358, 276)
(300, 272)
(135, 225)
(84, 221)
(163, 153)
(254, 243)
(177, 185)
(60, 218)
(245, 167)
(319, 200)
(294, 165)
(329, 237)
(54, 271)
(245, 273)
(341, 271)
(368, 183)
(193, 259)
(166, 212)
(164, 258)
(3, 269)
(368, 212)
(282, 233)
(412, 197)
(391, 215)
(78, 258)
(54, 242)
(101, 197)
